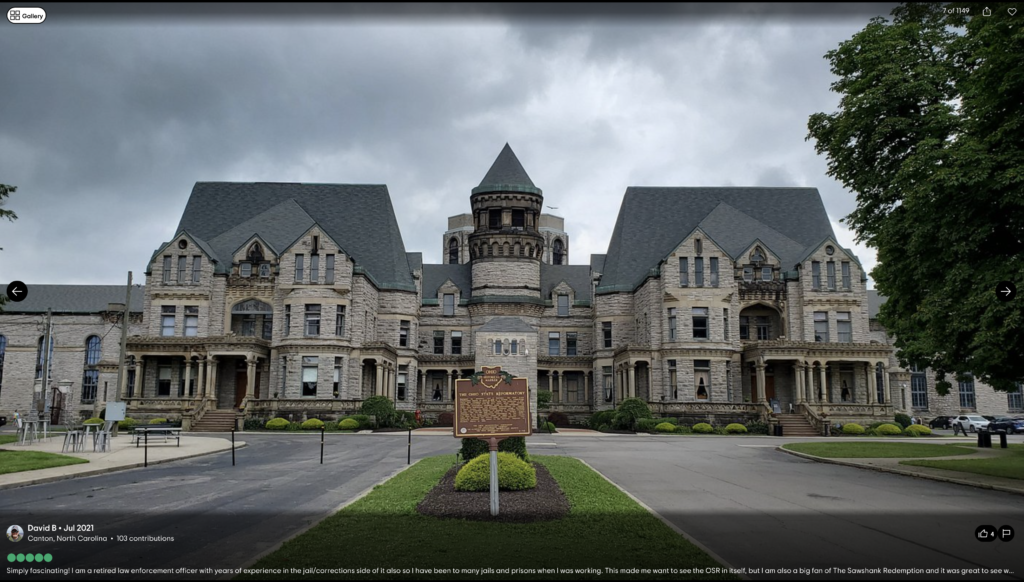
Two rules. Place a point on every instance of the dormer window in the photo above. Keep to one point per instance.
(757, 257)
(255, 253)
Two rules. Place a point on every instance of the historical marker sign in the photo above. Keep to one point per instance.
(492, 403)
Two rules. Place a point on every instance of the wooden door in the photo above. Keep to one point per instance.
(769, 387)
(241, 381)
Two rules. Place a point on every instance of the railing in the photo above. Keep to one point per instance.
(254, 406)
(710, 407)
(163, 403)
(192, 417)
(816, 421)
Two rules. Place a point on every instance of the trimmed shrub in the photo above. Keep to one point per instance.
(550, 427)
(736, 428)
(313, 424)
(853, 428)
(514, 474)
(380, 407)
(672, 421)
(703, 428)
(903, 420)
(348, 424)
(277, 424)
(889, 430)
(558, 419)
(646, 425)
(605, 426)
(473, 448)
(127, 424)
(543, 399)
(599, 418)
(683, 429)
(917, 430)
(445, 419)
(877, 424)
(665, 427)
(634, 408)
(97, 420)
(158, 421)
(757, 427)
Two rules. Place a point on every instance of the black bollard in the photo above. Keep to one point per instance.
(322, 444)
(408, 461)
(232, 447)
(145, 449)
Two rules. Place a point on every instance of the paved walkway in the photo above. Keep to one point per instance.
(123, 455)
(959, 477)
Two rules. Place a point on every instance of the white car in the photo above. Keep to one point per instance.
(971, 422)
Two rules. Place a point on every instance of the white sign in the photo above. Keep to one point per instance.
(116, 411)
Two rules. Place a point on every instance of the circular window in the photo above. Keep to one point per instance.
(182, 244)
(830, 250)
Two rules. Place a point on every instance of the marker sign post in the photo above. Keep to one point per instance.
(492, 405)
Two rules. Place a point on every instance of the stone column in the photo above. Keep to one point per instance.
(561, 387)
(140, 377)
(885, 382)
(826, 397)
(446, 397)
(250, 376)
(378, 388)
(762, 393)
(124, 381)
(421, 384)
(188, 376)
(586, 388)
(872, 388)
(632, 380)
(213, 378)
(798, 378)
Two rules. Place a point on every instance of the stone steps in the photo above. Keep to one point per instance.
(216, 421)
(795, 425)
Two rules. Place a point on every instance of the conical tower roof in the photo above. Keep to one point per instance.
(506, 174)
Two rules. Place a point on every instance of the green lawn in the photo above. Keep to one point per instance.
(605, 528)
(7, 439)
(1009, 463)
(876, 450)
(17, 461)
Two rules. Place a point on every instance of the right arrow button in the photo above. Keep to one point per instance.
(1006, 291)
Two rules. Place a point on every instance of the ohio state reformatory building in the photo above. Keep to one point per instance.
(300, 300)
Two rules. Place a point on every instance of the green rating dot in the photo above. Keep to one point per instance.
(39, 557)
(47, 557)
(11, 557)
(21, 557)
(29, 558)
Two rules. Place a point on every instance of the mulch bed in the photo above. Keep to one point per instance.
(542, 503)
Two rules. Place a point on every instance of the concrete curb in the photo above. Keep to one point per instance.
(673, 526)
(904, 472)
(106, 470)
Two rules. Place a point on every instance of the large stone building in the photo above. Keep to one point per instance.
(301, 300)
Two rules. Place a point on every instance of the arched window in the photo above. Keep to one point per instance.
(90, 378)
(556, 252)
(39, 358)
(453, 252)
(255, 253)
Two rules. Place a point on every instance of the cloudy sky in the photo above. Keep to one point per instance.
(107, 119)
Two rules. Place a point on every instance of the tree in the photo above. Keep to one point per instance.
(929, 137)
(6, 191)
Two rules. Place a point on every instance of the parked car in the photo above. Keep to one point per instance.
(941, 422)
(971, 422)
(1010, 425)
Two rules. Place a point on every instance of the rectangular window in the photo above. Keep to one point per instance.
(748, 274)
(713, 267)
(553, 343)
(518, 219)
(312, 320)
(744, 327)
(700, 323)
(1015, 400)
(671, 324)
(844, 327)
(329, 270)
(846, 274)
(264, 269)
(815, 275)
(449, 304)
(684, 272)
(563, 306)
(494, 218)
(456, 343)
(570, 343)
(167, 270)
(725, 324)
(403, 374)
(606, 330)
(766, 273)
(90, 385)
(163, 382)
(673, 380)
(821, 326)
(339, 321)
(831, 273)
(918, 388)
(314, 269)
(698, 271)
(337, 376)
(287, 320)
(403, 333)
(245, 269)
(702, 379)
(967, 399)
(515, 347)
(698, 246)
(298, 268)
(607, 383)
(438, 342)
(268, 327)
(763, 325)
(497, 347)
(309, 375)
(182, 269)
(197, 264)
(167, 320)
(191, 320)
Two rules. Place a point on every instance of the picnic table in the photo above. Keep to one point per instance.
(156, 431)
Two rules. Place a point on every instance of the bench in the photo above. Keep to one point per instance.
(156, 431)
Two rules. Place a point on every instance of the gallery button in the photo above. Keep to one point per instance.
(26, 15)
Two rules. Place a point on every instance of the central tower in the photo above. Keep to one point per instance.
(506, 245)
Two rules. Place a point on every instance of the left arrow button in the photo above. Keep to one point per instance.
(17, 291)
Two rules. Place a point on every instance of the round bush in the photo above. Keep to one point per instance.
(902, 420)
(348, 424)
(473, 448)
(889, 430)
(381, 407)
(550, 427)
(646, 425)
(127, 424)
(277, 424)
(853, 428)
(313, 424)
(599, 418)
(604, 427)
(95, 420)
(703, 428)
(683, 429)
(158, 421)
(514, 474)
(757, 427)
(629, 411)
(917, 430)
(665, 427)
(736, 428)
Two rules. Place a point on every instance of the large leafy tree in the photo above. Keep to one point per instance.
(6, 191)
(929, 136)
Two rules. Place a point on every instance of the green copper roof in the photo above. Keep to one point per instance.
(507, 175)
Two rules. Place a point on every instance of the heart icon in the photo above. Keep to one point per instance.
(1012, 11)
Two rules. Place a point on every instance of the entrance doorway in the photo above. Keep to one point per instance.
(769, 385)
(242, 383)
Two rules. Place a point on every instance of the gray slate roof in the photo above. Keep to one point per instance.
(75, 298)
(435, 275)
(652, 221)
(359, 217)
(875, 302)
(597, 263)
(506, 171)
(507, 325)
(576, 276)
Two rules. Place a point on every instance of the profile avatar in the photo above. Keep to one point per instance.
(15, 533)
